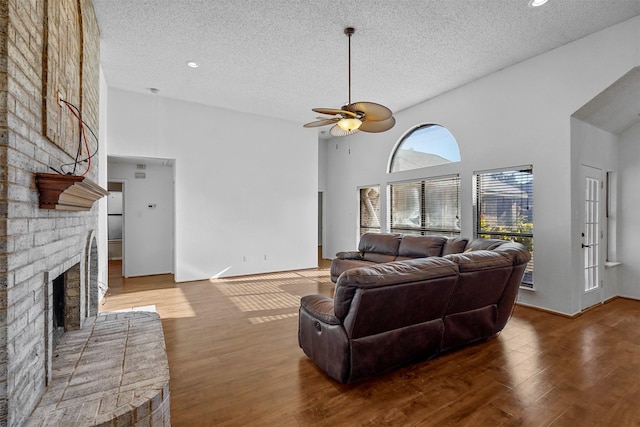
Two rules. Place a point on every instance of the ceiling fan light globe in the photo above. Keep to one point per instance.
(349, 124)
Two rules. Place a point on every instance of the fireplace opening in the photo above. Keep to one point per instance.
(58, 309)
(63, 307)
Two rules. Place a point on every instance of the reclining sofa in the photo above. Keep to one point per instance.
(375, 248)
(387, 314)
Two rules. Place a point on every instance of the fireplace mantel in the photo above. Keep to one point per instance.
(67, 192)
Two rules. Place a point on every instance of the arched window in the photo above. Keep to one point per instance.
(424, 146)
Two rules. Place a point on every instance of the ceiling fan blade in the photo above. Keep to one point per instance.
(338, 131)
(371, 110)
(377, 125)
(334, 111)
(322, 122)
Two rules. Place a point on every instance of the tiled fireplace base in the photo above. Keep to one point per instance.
(112, 372)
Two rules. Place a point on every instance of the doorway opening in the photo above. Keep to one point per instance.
(142, 215)
(321, 259)
(115, 220)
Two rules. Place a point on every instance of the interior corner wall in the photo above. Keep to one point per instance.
(246, 186)
(628, 208)
(517, 116)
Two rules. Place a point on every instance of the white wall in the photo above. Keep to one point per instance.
(148, 231)
(629, 206)
(246, 186)
(322, 160)
(518, 116)
(101, 235)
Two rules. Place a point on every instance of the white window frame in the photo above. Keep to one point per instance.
(522, 216)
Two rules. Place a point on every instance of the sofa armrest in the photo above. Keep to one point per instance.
(320, 307)
(349, 255)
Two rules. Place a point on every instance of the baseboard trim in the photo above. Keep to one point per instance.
(575, 315)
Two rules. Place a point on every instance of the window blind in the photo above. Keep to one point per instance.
(370, 210)
(406, 207)
(442, 206)
(504, 209)
(429, 206)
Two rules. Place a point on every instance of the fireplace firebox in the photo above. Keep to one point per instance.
(58, 310)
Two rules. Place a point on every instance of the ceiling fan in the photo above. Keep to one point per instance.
(356, 116)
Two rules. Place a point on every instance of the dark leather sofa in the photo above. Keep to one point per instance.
(375, 248)
(388, 314)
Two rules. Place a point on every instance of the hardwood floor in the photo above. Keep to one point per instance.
(235, 361)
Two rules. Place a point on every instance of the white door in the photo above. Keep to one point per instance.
(592, 237)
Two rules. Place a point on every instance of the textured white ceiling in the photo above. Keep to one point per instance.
(616, 108)
(281, 58)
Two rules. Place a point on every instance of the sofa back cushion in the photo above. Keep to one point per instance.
(454, 246)
(379, 247)
(483, 277)
(384, 297)
(420, 246)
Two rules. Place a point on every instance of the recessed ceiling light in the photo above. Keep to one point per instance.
(192, 64)
(536, 3)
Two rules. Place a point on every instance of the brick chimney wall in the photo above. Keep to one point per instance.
(45, 47)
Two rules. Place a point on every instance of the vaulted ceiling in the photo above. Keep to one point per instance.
(281, 58)
(616, 108)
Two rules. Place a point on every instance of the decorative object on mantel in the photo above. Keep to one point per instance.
(67, 192)
(357, 116)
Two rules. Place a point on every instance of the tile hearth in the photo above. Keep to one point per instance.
(113, 371)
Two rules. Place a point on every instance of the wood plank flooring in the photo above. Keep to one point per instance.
(235, 361)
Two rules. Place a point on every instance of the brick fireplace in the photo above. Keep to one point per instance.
(61, 362)
(48, 50)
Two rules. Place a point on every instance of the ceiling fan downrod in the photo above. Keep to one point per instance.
(349, 32)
